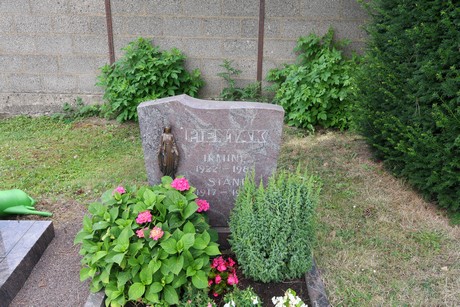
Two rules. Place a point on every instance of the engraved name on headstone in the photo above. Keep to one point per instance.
(219, 142)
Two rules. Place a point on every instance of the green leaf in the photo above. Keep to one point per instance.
(170, 295)
(87, 224)
(169, 246)
(100, 225)
(113, 214)
(189, 228)
(188, 240)
(199, 243)
(189, 210)
(212, 250)
(173, 264)
(149, 197)
(96, 209)
(178, 265)
(155, 287)
(122, 242)
(146, 275)
(153, 298)
(200, 280)
(117, 258)
(98, 256)
(154, 265)
(166, 180)
(81, 235)
(136, 290)
(190, 271)
(175, 221)
(180, 280)
(122, 278)
(85, 273)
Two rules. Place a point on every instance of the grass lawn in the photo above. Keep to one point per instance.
(379, 243)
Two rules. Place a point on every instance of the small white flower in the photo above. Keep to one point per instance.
(230, 304)
(255, 300)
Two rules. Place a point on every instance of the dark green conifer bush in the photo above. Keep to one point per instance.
(145, 73)
(409, 93)
(273, 227)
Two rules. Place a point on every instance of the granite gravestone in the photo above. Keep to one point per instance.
(218, 144)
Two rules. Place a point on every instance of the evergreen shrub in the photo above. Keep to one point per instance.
(273, 227)
(409, 94)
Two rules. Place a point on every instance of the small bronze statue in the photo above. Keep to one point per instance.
(168, 155)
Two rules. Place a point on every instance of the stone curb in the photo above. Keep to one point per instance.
(315, 287)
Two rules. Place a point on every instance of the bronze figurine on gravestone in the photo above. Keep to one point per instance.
(168, 155)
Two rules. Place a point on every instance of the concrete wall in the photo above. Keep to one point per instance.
(51, 50)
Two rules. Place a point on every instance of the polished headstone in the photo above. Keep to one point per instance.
(21, 245)
(219, 142)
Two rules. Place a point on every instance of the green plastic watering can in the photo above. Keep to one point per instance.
(18, 202)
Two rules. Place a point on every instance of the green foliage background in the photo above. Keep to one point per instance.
(409, 93)
(145, 73)
(316, 90)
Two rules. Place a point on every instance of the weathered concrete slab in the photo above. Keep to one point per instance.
(218, 143)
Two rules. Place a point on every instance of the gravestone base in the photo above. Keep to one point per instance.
(22, 243)
(224, 234)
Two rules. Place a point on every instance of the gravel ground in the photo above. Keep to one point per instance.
(55, 280)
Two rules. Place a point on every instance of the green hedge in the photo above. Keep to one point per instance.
(409, 93)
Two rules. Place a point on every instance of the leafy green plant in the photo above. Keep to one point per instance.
(80, 110)
(194, 297)
(144, 245)
(408, 98)
(251, 92)
(145, 73)
(273, 227)
(242, 298)
(318, 88)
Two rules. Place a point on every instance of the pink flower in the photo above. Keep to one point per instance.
(180, 184)
(209, 305)
(215, 294)
(203, 205)
(216, 262)
(230, 262)
(120, 190)
(218, 279)
(156, 233)
(140, 232)
(210, 282)
(221, 267)
(144, 217)
(232, 279)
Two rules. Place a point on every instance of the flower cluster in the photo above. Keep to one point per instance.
(203, 205)
(222, 275)
(146, 217)
(180, 184)
(289, 299)
(120, 190)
